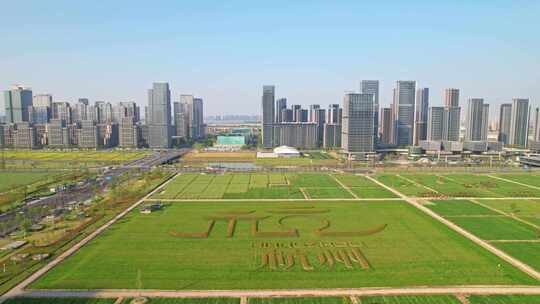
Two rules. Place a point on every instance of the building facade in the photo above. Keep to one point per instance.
(519, 122)
(268, 98)
(159, 116)
(403, 105)
(358, 121)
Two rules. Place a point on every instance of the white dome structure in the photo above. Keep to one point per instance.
(286, 151)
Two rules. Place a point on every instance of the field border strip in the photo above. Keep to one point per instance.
(482, 243)
(505, 214)
(419, 184)
(19, 288)
(347, 292)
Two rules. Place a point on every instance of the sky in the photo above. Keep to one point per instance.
(313, 51)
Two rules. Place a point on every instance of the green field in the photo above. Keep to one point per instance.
(528, 210)
(82, 156)
(190, 301)
(411, 300)
(532, 179)
(313, 300)
(514, 299)
(455, 185)
(10, 180)
(266, 245)
(270, 186)
(526, 252)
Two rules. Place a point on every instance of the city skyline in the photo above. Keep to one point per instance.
(105, 53)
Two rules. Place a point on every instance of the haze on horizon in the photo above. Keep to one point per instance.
(313, 51)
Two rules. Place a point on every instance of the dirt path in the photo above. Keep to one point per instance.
(344, 187)
(513, 182)
(514, 241)
(305, 193)
(515, 262)
(345, 292)
(17, 290)
(463, 299)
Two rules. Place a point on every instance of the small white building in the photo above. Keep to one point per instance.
(286, 151)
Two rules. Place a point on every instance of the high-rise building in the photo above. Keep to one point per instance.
(476, 121)
(25, 136)
(301, 135)
(421, 115)
(196, 123)
(519, 122)
(404, 99)
(358, 123)
(159, 115)
(268, 100)
(372, 87)
(387, 126)
(332, 136)
(62, 111)
(287, 115)
(451, 97)
(333, 115)
(88, 136)
(281, 104)
(57, 133)
(128, 133)
(17, 100)
(319, 117)
(437, 124)
(39, 114)
(297, 112)
(313, 112)
(42, 100)
(505, 117)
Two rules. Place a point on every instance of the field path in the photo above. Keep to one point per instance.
(514, 241)
(344, 187)
(344, 292)
(513, 182)
(19, 289)
(513, 261)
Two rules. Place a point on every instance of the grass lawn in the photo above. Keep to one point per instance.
(442, 299)
(59, 301)
(528, 253)
(458, 207)
(194, 246)
(528, 210)
(82, 156)
(10, 180)
(404, 186)
(532, 179)
(190, 301)
(496, 228)
(270, 186)
(502, 299)
(314, 300)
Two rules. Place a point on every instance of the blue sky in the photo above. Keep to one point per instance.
(313, 51)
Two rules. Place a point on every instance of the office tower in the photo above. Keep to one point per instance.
(281, 104)
(387, 126)
(197, 119)
(268, 101)
(42, 100)
(519, 122)
(404, 95)
(313, 112)
(16, 102)
(61, 110)
(303, 115)
(128, 109)
(319, 117)
(421, 115)
(181, 125)
(128, 133)
(475, 122)
(451, 97)
(437, 124)
(287, 115)
(334, 113)
(505, 116)
(372, 87)
(39, 114)
(358, 123)
(303, 135)
(453, 114)
(537, 125)
(159, 115)
(80, 110)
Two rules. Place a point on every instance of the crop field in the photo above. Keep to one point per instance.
(456, 185)
(519, 239)
(442, 299)
(502, 299)
(81, 156)
(219, 157)
(271, 186)
(279, 245)
(532, 179)
(189, 301)
(59, 301)
(10, 180)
